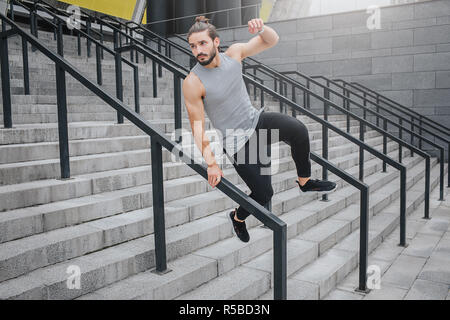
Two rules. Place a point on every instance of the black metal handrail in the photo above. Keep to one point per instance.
(346, 99)
(100, 47)
(402, 108)
(363, 146)
(280, 77)
(158, 140)
(386, 121)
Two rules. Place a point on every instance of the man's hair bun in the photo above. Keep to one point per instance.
(202, 19)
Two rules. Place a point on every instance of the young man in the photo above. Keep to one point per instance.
(215, 85)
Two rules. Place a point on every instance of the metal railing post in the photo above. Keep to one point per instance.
(325, 139)
(254, 87)
(11, 10)
(400, 136)
(145, 42)
(420, 132)
(79, 43)
(347, 94)
(262, 104)
(101, 38)
(6, 84)
(441, 174)
(308, 97)
(159, 65)
(403, 207)
(33, 49)
(119, 84)
(361, 152)
(131, 42)
(26, 73)
(177, 106)
(88, 40)
(294, 99)
(137, 104)
(363, 240)
(158, 206)
(280, 263)
(384, 143)
(98, 58)
(412, 136)
(55, 21)
(61, 97)
(427, 188)
(154, 78)
(281, 93)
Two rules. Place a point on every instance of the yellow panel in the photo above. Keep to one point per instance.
(266, 9)
(117, 8)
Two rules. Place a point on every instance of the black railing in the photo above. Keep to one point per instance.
(401, 120)
(158, 140)
(424, 120)
(360, 142)
(386, 121)
(162, 42)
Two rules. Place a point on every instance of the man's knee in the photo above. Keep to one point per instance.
(264, 196)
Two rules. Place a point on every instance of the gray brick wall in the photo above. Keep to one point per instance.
(408, 59)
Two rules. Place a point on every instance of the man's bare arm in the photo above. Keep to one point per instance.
(255, 45)
(192, 97)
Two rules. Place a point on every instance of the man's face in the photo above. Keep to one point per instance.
(203, 48)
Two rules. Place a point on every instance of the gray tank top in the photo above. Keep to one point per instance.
(227, 103)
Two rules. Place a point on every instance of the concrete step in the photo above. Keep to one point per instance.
(93, 234)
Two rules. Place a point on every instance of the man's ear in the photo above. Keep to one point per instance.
(217, 42)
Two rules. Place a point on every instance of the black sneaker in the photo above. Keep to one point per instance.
(239, 228)
(320, 186)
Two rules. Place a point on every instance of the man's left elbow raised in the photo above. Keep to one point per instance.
(277, 38)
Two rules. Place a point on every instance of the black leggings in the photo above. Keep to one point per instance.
(251, 161)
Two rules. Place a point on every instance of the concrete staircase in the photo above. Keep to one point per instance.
(101, 219)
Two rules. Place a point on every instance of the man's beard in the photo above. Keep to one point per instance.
(206, 62)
